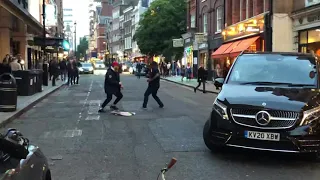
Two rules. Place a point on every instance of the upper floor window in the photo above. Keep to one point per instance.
(311, 2)
(219, 19)
(205, 23)
(192, 21)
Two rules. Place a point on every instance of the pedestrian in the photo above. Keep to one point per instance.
(112, 86)
(5, 67)
(201, 78)
(63, 69)
(76, 72)
(188, 72)
(15, 66)
(139, 68)
(154, 85)
(70, 72)
(182, 72)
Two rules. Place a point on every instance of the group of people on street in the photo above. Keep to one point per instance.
(11, 63)
(66, 69)
(113, 86)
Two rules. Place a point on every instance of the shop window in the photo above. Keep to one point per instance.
(193, 21)
(314, 36)
(303, 37)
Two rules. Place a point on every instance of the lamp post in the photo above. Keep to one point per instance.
(45, 66)
(75, 39)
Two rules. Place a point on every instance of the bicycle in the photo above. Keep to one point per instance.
(166, 169)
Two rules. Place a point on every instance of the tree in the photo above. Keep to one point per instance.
(163, 21)
(82, 47)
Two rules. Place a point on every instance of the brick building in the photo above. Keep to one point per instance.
(254, 25)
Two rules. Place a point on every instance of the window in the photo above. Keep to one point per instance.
(192, 21)
(274, 68)
(219, 18)
(311, 2)
(127, 43)
(205, 23)
(127, 30)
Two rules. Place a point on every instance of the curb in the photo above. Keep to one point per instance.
(28, 107)
(190, 86)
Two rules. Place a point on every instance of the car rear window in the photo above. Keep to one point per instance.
(274, 68)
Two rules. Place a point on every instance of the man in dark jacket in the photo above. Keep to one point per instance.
(202, 77)
(154, 85)
(139, 67)
(4, 67)
(112, 86)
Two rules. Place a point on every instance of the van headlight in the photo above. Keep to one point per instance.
(310, 116)
(81, 69)
(91, 69)
(221, 109)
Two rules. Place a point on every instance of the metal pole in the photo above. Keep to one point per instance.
(75, 39)
(44, 27)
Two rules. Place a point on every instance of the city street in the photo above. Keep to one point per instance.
(83, 145)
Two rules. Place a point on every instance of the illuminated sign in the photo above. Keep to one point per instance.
(249, 27)
(66, 45)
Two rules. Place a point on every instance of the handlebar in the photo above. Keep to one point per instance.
(169, 166)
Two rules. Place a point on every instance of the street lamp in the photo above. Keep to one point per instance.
(75, 39)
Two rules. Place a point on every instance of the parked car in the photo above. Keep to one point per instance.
(274, 106)
(99, 65)
(21, 160)
(86, 68)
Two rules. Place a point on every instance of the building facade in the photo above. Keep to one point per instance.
(127, 32)
(306, 26)
(18, 27)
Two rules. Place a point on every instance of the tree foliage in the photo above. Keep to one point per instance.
(163, 21)
(82, 47)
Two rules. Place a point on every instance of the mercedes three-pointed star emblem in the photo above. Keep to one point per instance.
(263, 118)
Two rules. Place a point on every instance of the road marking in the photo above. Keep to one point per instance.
(93, 118)
(63, 133)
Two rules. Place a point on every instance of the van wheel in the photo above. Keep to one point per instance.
(207, 136)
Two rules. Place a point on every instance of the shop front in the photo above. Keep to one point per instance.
(203, 55)
(244, 36)
(306, 30)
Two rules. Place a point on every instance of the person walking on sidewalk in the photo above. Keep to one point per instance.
(154, 85)
(76, 72)
(202, 77)
(183, 72)
(70, 72)
(63, 69)
(112, 86)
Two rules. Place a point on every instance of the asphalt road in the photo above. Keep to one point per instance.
(83, 145)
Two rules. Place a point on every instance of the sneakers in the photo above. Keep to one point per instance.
(101, 110)
(113, 107)
(161, 106)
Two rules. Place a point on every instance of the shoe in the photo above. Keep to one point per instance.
(114, 107)
(144, 107)
(161, 106)
(101, 110)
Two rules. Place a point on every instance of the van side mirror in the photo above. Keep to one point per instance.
(218, 82)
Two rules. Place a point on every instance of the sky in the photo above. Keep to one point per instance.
(81, 12)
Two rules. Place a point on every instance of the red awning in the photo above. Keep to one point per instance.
(220, 51)
(243, 45)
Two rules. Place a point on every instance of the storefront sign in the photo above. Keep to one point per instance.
(199, 37)
(253, 26)
(313, 18)
(203, 46)
(177, 42)
(187, 40)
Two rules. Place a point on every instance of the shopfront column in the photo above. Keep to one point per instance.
(5, 18)
(20, 37)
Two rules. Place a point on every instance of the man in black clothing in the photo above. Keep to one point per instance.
(202, 77)
(112, 86)
(154, 85)
(139, 67)
(70, 72)
(76, 72)
(4, 67)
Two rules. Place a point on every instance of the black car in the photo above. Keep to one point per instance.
(268, 101)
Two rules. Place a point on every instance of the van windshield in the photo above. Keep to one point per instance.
(274, 69)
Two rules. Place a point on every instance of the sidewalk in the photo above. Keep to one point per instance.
(192, 83)
(26, 102)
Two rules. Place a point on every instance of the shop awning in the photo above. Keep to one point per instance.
(243, 45)
(221, 51)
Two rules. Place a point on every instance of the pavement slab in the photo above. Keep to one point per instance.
(83, 145)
